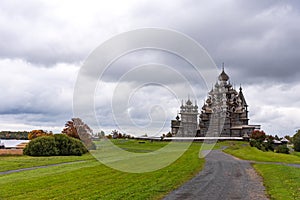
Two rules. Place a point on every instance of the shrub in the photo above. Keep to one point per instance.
(282, 149)
(56, 145)
(69, 146)
(41, 146)
(257, 144)
(252, 143)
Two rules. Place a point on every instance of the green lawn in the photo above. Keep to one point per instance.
(93, 180)
(282, 182)
(139, 146)
(17, 162)
(296, 153)
(244, 151)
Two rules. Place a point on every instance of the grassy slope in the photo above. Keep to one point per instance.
(17, 162)
(92, 180)
(282, 182)
(244, 151)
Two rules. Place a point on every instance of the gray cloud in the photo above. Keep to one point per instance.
(43, 43)
(256, 39)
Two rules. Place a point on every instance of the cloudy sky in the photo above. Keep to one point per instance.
(43, 45)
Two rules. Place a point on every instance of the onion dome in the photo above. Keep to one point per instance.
(223, 76)
(189, 102)
(208, 101)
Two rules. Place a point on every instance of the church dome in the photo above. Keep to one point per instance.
(223, 76)
(208, 101)
(189, 102)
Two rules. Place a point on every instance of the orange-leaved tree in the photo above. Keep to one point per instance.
(78, 129)
(38, 133)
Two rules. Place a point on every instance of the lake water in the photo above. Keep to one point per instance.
(12, 143)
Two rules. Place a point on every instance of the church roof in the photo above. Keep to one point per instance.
(241, 96)
(223, 76)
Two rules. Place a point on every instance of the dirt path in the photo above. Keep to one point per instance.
(223, 178)
(39, 167)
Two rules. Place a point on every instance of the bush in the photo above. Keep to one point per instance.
(41, 146)
(257, 144)
(69, 146)
(253, 143)
(56, 145)
(263, 146)
(282, 149)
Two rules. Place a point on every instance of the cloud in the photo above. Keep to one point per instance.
(274, 106)
(57, 31)
(43, 44)
(259, 40)
(35, 93)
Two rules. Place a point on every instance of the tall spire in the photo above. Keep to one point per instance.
(241, 96)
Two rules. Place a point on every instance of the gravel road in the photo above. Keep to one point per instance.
(223, 177)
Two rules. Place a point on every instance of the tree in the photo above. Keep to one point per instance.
(289, 138)
(101, 134)
(76, 128)
(296, 141)
(38, 133)
(260, 140)
(258, 135)
(70, 129)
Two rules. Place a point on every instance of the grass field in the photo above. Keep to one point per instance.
(281, 182)
(93, 180)
(244, 151)
(18, 162)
